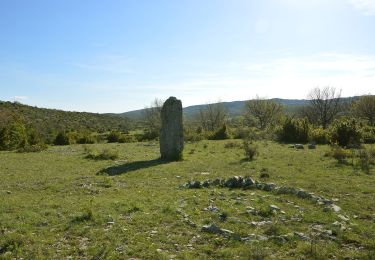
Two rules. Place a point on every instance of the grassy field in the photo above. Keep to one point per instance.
(60, 204)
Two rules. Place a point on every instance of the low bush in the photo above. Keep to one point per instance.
(318, 136)
(86, 139)
(339, 154)
(232, 144)
(251, 150)
(32, 148)
(105, 154)
(113, 137)
(220, 134)
(345, 133)
(63, 138)
(293, 131)
(127, 139)
(368, 134)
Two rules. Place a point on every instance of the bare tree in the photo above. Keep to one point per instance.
(151, 116)
(324, 106)
(364, 108)
(263, 112)
(212, 116)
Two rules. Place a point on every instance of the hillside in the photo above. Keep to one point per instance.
(50, 121)
(234, 108)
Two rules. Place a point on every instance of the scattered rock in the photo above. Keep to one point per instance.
(301, 236)
(299, 146)
(311, 146)
(234, 182)
(212, 209)
(274, 208)
(344, 218)
(214, 229)
(335, 208)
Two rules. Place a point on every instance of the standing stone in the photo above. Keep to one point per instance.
(171, 133)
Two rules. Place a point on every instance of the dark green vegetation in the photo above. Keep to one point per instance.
(58, 203)
(47, 123)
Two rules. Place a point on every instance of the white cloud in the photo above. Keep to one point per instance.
(20, 98)
(367, 7)
(288, 77)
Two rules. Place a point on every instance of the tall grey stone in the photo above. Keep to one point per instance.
(171, 133)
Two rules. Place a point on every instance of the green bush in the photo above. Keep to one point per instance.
(368, 134)
(105, 154)
(113, 137)
(63, 138)
(35, 148)
(86, 139)
(251, 150)
(293, 131)
(339, 154)
(127, 139)
(220, 134)
(318, 136)
(345, 133)
(13, 136)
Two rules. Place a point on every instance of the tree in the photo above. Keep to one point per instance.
(364, 108)
(324, 106)
(262, 112)
(151, 117)
(13, 136)
(212, 116)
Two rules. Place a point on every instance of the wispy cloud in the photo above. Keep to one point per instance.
(20, 98)
(367, 7)
(117, 64)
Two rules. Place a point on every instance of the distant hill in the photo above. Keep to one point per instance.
(234, 108)
(50, 121)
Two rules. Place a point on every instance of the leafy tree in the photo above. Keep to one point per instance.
(212, 116)
(364, 108)
(152, 118)
(262, 113)
(62, 138)
(324, 106)
(13, 136)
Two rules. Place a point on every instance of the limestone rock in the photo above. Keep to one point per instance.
(171, 133)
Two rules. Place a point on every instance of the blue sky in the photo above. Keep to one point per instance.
(116, 56)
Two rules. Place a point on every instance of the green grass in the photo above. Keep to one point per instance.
(58, 203)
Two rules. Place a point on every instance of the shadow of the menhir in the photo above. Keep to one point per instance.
(132, 166)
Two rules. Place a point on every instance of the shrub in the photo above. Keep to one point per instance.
(127, 139)
(63, 138)
(232, 144)
(33, 148)
(251, 150)
(13, 136)
(368, 134)
(105, 154)
(318, 136)
(86, 139)
(364, 160)
(220, 134)
(345, 133)
(339, 153)
(113, 137)
(293, 131)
